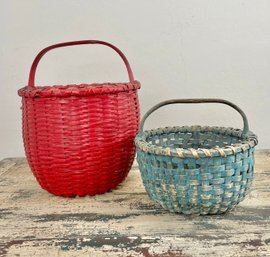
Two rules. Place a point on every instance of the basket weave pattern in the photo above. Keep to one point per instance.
(194, 169)
(205, 185)
(79, 138)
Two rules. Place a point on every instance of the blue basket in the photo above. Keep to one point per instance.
(194, 169)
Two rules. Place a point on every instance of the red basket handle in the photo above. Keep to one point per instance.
(31, 81)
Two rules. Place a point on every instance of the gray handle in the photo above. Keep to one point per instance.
(198, 101)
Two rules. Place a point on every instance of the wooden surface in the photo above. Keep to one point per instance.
(125, 222)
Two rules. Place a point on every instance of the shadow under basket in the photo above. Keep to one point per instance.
(194, 169)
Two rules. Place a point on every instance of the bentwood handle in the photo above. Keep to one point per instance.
(31, 81)
(198, 101)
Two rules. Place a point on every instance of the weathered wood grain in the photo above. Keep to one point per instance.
(125, 222)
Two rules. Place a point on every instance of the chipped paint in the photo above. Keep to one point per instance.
(125, 222)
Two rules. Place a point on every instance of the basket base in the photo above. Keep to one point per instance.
(83, 180)
(81, 193)
(203, 213)
(197, 210)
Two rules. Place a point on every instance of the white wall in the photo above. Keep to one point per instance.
(177, 48)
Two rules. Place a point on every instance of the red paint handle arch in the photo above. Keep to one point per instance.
(31, 81)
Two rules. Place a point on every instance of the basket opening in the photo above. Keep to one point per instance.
(195, 140)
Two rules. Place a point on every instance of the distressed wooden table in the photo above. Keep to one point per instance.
(125, 222)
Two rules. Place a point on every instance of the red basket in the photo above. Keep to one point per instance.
(78, 139)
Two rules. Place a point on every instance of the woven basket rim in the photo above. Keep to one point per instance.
(78, 89)
(247, 143)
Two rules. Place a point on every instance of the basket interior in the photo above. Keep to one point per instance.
(193, 139)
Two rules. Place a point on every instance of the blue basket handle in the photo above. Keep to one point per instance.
(245, 132)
